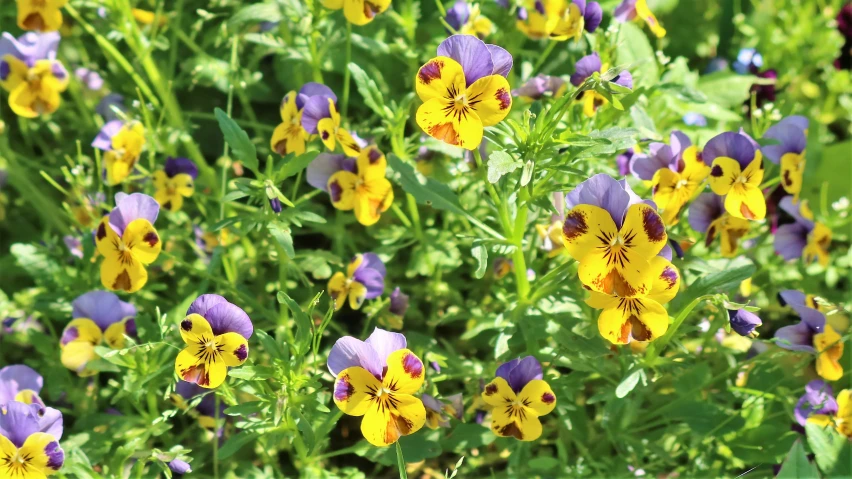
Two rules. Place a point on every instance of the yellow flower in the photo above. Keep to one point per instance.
(175, 182)
(645, 14)
(364, 279)
(367, 191)
(126, 148)
(829, 347)
(842, 421)
(641, 319)
(540, 22)
(146, 17)
(358, 12)
(516, 414)
(331, 133)
(207, 356)
(672, 190)
(817, 247)
(289, 136)
(34, 91)
(389, 408)
(551, 236)
(792, 171)
(41, 15)
(477, 24)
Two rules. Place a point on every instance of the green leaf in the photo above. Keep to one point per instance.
(238, 139)
(256, 13)
(429, 192)
(480, 253)
(282, 235)
(235, 443)
(303, 322)
(245, 408)
(635, 49)
(832, 450)
(369, 91)
(728, 89)
(628, 383)
(233, 196)
(400, 462)
(501, 163)
(796, 465)
(729, 275)
(252, 373)
(296, 164)
(305, 429)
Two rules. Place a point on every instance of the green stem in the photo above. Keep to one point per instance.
(223, 185)
(216, 437)
(541, 59)
(518, 258)
(400, 462)
(346, 73)
(415, 216)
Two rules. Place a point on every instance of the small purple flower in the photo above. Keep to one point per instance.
(74, 244)
(661, 155)
(276, 205)
(748, 61)
(818, 399)
(519, 372)
(458, 14)
(436, 366)
(90, 78)
(180, 467)
(398, 302)
(177, 166)
(20, 383)
(744, 322)
(371, 354)
(539, 85)
(695, 119)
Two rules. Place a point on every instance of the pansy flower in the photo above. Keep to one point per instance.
(289, 136)
(122, 143)
(205, 409)
(694, 119)
(28, 448)
(463, 89)
(376, 379)
(519, 397)
(791, 132)
(91, 79)
(99, 317)
(811, 335)
(31, 74)
(467, 19)
(558, 19)
(640, 318)
(624, 160)
(438, 413)
(804, 238)
(817, 400)
(175, 182)
(841, 419)
(128, 242)
(551, 234)
(216, 334)
(398, 302)
(586, 67)
(320, 116)
(614, 235)
(744, 322)
(539, 85)
(358, 12)
(20, 383)
(638, 9)
(364, 279)
(736, 172)
(707, 215)
(41, 15)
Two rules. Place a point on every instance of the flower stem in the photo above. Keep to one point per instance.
(400, 462)
(346, 73)
(216, 436)
(521, 280)
(541, 59)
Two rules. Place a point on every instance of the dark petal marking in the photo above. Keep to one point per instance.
(504, 98)
(430, 71)
(343, 389)
(5, 70)
(335, 190)
(122, 281)
(167, 205)
(412, 365)
(101, 234)
(653, 224)
(375, 155)
(151, 238)
(490, 389)
(324, 135)
(746, 212)
(640, 332)
(548, 398)
(445, 132)
(574, 225)
(241, 352)
(670, 276)
(186, 325)
(716, 171)
(787, 180)
(55, 455)
(512, 430)
(281, 147)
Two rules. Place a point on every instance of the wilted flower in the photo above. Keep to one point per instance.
(128, 242)
(398, 302)
(90, 78)
(438, 413)
(519, 397)
(842, 419)
(99, 316)
(376, 379)
(614, 235)
(123, 143)
(31, 74)
(44, 16)
(178, 466)
(175, 182)
(812, 335)
(463, 89)
(537, 86)
(638, 9)
(216, 334)
(551, 234)
(707, 215)
(736, 173)
(744, 322)
(29, 441)
(467, 19)
(358, 12)
(804, 238)
(586, 67)
(20, 383)
(364, 279)
(791, 132)
(817, 400)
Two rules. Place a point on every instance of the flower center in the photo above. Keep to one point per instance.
(742, 179)
(460, 101)
(681, 184)
(382, 391)
(618, 240)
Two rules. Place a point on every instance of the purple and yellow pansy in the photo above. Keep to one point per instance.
(812, 334)
(519, 396)
(438, 413)
(364, 279)
(122, 143)
(29, 441)
(586, 67)
(558, 19)
(31, 74)
(638, 10)
(614, 235)
(41, 15)
(838, 414)
(736, 172)
(128, 242)
(98, 317)
(463, 89)
(707, 215)
(320, 117)
(804, 237)
(290, 136)
(216, 334)
(791, 133)
(818, 400)
(467, 19)
(377, 379)
(175, 182)
(358, 12)
(20, 383)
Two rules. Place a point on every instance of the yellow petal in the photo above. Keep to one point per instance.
(191, 366)
(34, 449)
(519, 422)
(347, 142)
(498, 393)
(829, 347)
(357, 294)
(142, 240)
(440, 77)
(125, 274)
(455, 125)
(538, 396)
(114, 334)
(373, 199)
(405, 372)
(326, 129)
(641, 319)
(723, 174)
(583, 227)
(746, 201)
(362, 12)
(489, 97)
(195, 329)
(232, 349)
(624, 274)
(601, 301)
(666, 280)
(643, 231)
(383, 426)
(644, 13)
(18, 71)
(371, 164)
(332, 4)
(338, 289)
(342, 188)
(354, 389)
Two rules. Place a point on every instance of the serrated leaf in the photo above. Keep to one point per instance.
(501, 163)
(241, 146)
(282, 235)
(429, 192)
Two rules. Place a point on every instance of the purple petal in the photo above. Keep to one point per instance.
(49, 421)
(707, 208)
(104, 107)
(372, 279)
(102, 307)
(104, 139)
(791, 140)
(501, 59)
(794, 210)
(316, 108)
(534, 87)
(176, 166)
(604, 192)
(458, 14)
(432, 403)
(644, 167)
(372, 261)
(30, 47)
(666, 252)
(798, 337)
(506, 368)
(398, 302)
(203, 303)
(322, 167)
(593, 16)
(731, 145)
(55, 455)
(624, 78)
(385, 343)
(818, 399)
(744, 322)
(527, 369)
(132, 207)
(16, 378)
(790, 240)
(349, 352)
(626, 11)
(229, 318)
(178, 466)
(471, 53)
(585, 67)
(792, 298)
(18, 422)
(313, 89)
(679, 142)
